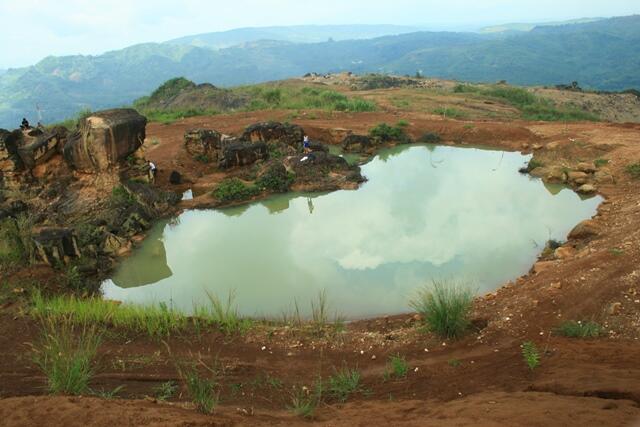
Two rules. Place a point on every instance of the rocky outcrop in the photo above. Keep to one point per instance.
(104, 139)
(357, 143)
(314, 167)
(584, 230)
(242, 154)
(55, 246)
(206, 143)
(10, 161)
(289, 134)
(38, 145)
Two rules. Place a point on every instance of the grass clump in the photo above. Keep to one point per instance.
(580, 329)
(600, 162)
(534, 164)
(466, 88)
(634, 170)
(396, 368)
(531, 355)
(202, 389)
(166, 390)
(120, 196)
(233, 189)
(275, 182)
(445, 307)
(66, 356)
(224, 314)
(342, 383)
(169, 116)
(304, 403)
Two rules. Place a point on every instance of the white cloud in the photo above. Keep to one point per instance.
(33, 29)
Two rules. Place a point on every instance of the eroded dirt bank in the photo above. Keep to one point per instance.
(478, 380)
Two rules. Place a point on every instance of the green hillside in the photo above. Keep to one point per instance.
(600, 55)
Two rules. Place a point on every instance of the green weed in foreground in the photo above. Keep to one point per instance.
(580, 329)
(233, 189)
(224, 314)
(202, 389)
(342, 383)
(531, 355)
(397, 368)
(166, 390)
(304, 403)
(66, 354)
(633, 170)
(445, 307)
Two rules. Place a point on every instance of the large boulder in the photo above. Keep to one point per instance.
(10, 161)
(55, 245)
(357, 143)
(584, 230)
(38, 145)
(316, 166)
(104, 139)
(289, 134)
(242, 154)
(206, 143)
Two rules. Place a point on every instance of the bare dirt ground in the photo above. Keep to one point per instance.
(478, 380)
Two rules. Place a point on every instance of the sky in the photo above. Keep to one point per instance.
(34, 29)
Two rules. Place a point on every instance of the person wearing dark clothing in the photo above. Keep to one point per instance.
(25, 124)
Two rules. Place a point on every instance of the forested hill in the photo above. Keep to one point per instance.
(600, 55)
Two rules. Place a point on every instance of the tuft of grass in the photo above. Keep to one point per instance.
(202, 389)
(430, 138)
(65, 354)
(580, 329)
(533, 164)
(454, 362)
(466, 88)
(445, 307)
(531, 355)
(225, 314)
(108, 394)
(304, 403)
(633, 169)
(600, 162)
(166, 390)
(342, 383)
(396, 368)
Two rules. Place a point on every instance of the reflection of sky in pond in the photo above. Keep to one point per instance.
(425, 213)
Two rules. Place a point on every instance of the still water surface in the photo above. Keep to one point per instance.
(426, 212)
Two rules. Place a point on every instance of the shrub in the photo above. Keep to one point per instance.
(531, 355)
(430, 138)
(580, 329)
(445, 307)
(533, 164)
(465, 88)
(120, 196)
(233, 189)
(66, 355)
(397, 367)
(386, 133)
(633, 170)
(275, 182)
(600, 162)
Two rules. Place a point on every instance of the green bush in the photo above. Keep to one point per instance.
(445, 307)
(386, 133)
(580, 329)
(633, 170)
(466, 88)
(274, 182)
(430, 138)
(120, 196)
(233, 189)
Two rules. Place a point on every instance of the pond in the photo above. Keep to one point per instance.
(427, 212)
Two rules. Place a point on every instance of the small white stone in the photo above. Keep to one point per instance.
(264, 348)
(361, 351)
(415, 370)
(426, 350)
(373, 357)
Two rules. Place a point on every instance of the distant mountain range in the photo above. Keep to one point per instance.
(528, 26)
(293, 34)
(604, 54)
